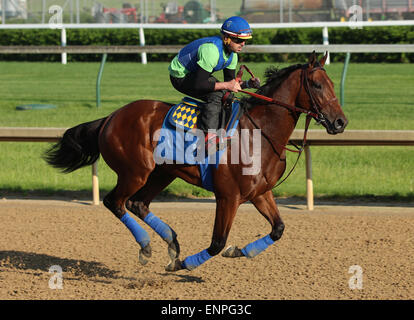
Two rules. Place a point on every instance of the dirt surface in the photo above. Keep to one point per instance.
(313, 259)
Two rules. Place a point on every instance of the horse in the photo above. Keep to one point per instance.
(126, 140)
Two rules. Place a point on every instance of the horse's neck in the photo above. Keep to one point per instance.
(275, 121)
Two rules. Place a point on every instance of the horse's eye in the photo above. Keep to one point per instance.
(317, 85)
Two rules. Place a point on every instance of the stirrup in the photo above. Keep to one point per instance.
(218, 142)
(211, 141)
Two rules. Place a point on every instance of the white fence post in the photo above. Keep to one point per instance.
(309, 181)
(63, 42)
(142, 43)
(325, 38)
(95, 183)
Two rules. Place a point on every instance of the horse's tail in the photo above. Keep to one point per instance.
(77, 148)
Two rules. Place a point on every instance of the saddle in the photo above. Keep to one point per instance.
(184, 115)
(178, 144)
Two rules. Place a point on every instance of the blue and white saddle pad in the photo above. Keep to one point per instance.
(179, 140)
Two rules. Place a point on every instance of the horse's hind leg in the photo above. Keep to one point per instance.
(266, 205)
(115, 202)
(139, 205)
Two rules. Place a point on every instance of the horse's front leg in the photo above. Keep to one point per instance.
(225, 212)
(266, 205)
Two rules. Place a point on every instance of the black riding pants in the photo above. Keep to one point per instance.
(211, 113)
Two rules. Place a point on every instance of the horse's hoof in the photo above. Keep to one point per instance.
(174, 265)
(232, 252)
(144, 253)
(173, 249)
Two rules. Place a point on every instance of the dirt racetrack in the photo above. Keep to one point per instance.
(312, 260)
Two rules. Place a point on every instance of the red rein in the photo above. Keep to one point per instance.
(268, 99)
(290, 107)
(309, 116)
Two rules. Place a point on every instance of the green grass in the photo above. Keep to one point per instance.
(378, 96)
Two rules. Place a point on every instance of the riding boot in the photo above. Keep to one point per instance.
(211, 112)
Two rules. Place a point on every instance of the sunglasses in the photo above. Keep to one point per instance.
(237, 40)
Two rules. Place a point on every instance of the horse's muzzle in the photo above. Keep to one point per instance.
(336, 126)
(340, 124)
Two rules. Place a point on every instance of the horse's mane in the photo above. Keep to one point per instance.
(274, 78)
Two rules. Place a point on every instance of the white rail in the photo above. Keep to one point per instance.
(141, 26)
(345, 24)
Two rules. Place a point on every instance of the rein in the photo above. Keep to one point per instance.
(280, 103)
(309, 115)
(318, 116)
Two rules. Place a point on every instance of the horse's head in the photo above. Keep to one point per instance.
(319, 96)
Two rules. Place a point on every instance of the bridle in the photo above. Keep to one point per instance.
(313, 112)
(304, 82)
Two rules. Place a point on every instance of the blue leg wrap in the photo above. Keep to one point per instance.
(160, 227)
(254, 248)
(196, 260)
(141, 236)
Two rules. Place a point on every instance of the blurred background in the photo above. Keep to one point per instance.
(202, 11)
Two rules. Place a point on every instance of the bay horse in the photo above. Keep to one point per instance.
(126, 139)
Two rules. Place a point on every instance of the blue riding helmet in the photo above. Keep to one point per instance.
(237, 27)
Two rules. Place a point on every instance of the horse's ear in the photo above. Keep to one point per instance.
(312, 59)
(323, 60)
